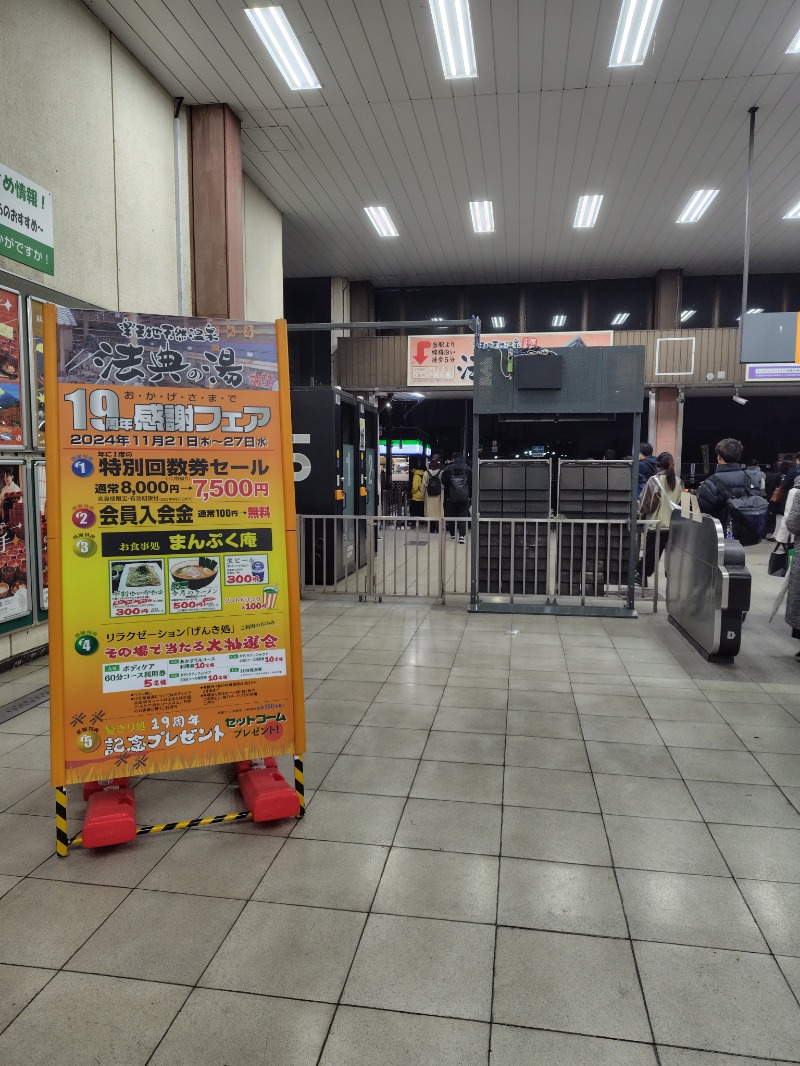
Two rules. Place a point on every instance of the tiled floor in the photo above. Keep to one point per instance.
(572, 841)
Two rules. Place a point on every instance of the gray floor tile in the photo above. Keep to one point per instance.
(540, 701)
(744, 804)
(387, 742)
(213, 864)
(10, 741)
(670, 709)
(230, 800)
(560, 981)
(419, 675)
(688, 909)
(701, 764)
(228, 1027)
(447, 825)
(462, 678)
(660, 844)
(563, 790)
(7, 882)
(765, 738)
(160, 950)
(545, 753)
(134, 1017)
(758, 853)
(633, 760)
(619, 730)
(645, 797)
(160, 801)
(438, 884)
(776, 906)
(610, 706)
(413, 695)
(470, 720)
(482, 698)
(423, 966)
(719, 1000)
(384, 656)
(350, 818)
(45, 922)
(450, 746)
(322, 873)
(251, 961)
(555, 836)
(469, 782)
(370, 774)
(335, 712)
(604, 688)
(373, 672)
(544, 724)
(791, 971)
(18, 986)
(399, 716)
(735, 692)
(34, 754)
(783, 769)
(320, 736)
(123, 866)
(758, 714)
(15, 785)
(317, 671)
(699, 735)
(562, 897)
(513, 1046)
(357, 1032)
(672, 1056)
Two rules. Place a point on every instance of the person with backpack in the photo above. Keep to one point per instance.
(661, 496)
(432, 494)
(648, 465)
(457, 484)
(730, 496)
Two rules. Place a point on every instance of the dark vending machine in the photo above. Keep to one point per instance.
(336, 457)
(513, 489)
(595, 555)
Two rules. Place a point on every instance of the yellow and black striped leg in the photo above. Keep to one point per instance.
(299, 784)
(62, 838)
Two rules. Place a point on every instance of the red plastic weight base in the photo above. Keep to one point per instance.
(110, 818)
(90, 787)
(254, 764)
(267, 795)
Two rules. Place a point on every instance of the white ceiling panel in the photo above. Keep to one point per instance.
(545, 121)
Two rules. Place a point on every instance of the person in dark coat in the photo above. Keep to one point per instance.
(729, 479)
(792, 616)
(457, 485)
(648, 464)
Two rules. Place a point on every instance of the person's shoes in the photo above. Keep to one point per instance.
(769, 536)
(450, 536)
(462, 540)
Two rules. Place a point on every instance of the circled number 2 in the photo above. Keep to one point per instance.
(83, 519)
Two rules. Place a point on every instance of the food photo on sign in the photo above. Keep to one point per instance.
(14, 602)
(10, 404)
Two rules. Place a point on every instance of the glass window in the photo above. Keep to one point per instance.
(698, 297)
(432, 303)
(497, 306)
(631, 297)
(388, 305)
(554, 306)
(763, 290)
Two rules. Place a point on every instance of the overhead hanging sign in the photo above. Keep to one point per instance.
(772, 372)
(26, 221)
(170, 593)
(442, 360)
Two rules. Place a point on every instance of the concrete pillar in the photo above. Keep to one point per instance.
(667, 428)
(217, 212)
(668, 298)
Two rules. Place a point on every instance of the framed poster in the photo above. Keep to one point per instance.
(12, 434)
(40, 527)
(15, 599)
(36, 364)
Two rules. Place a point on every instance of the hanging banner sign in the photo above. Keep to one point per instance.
(26, 221)
(11, 434)
(443, 360)
(170, 587)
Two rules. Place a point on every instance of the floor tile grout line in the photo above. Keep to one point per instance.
(497, 898)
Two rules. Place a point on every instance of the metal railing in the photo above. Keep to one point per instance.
(400, 556)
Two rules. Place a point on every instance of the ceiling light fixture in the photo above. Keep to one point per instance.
(587, 211)
(737, 398)
(794, 47)
(687, 314)
(453, 26)
(437, 318)
(280, 40)
(498, 321)
(697, 206)
(482, 212)
(635, 26)
(621, 318)
(559, 321)
(794, 213)
(379, 217)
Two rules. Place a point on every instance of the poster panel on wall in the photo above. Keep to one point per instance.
(170, 589)
(36, 345)
(15, 601)
(11, 433)
(445, 360)
(40, 521)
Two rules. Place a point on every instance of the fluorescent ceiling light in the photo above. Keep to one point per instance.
(559, 321)
(379, 217)
(280, 40)
(482, 213)
(794, 47)
(437, 318)
(453, 25)
(587, 211)
(621, 318)
(635, 26)
(697, 206)
(687, 314)
(794, 213)
(498, 321)
(755, 310)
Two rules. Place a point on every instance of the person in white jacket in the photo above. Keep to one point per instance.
(661, 496)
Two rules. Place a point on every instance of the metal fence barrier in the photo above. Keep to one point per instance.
(396, 555)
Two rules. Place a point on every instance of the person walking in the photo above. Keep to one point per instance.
(416, 503)
(432, 494)
(792, 520)
(757, 476)
(457, 484)
(647, 464)
(661, 496)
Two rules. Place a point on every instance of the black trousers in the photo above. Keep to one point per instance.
(456, 510)
(658, 539)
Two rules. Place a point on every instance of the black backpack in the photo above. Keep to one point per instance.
(747, 512)
(434, 483)
(458, 487)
